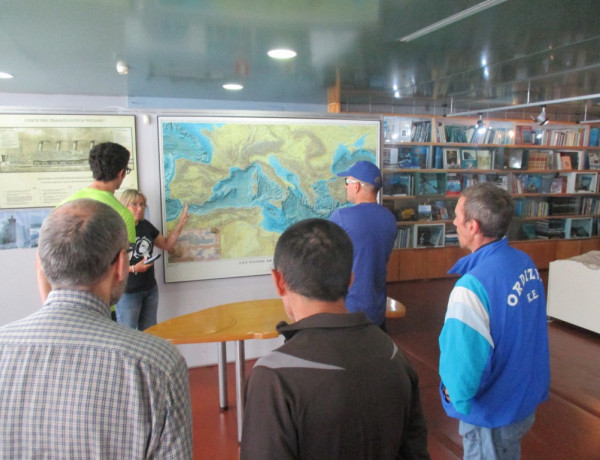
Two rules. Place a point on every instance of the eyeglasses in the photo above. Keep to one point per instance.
(127, 170)
(350, 181)
(129, 250)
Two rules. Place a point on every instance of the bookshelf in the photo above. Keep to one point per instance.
(551, 171)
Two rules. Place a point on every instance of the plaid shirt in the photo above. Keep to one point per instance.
(76, 385)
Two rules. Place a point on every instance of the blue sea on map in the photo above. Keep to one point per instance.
(250, 187)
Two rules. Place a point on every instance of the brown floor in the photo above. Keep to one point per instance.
(567, 425)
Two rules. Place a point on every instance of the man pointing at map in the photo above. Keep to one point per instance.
(372, 229)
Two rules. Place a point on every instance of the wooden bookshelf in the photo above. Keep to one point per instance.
(426, 161)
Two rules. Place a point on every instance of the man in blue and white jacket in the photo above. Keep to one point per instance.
(494, 362)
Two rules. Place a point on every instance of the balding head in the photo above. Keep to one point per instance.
(78, 243)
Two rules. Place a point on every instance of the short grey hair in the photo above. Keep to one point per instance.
(78, 242)
(491, 206)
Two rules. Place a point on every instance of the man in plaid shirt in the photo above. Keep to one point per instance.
(73, 383)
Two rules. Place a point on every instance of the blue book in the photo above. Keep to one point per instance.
(419, 157)
(594, 137)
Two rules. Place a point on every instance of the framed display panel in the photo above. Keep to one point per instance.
(245, 180)
(429, 235)
(44, 158)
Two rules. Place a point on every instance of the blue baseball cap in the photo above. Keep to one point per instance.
(364, 171)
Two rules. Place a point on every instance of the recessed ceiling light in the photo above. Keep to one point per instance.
(233, 86)
(282, 53)
(6, 75)
(122, 68)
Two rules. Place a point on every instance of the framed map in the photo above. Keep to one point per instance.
(44, 158)
(245, 180)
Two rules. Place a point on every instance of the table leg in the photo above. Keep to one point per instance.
(240, 378)
(222, 368)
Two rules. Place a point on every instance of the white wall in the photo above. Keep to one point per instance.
(19, 296)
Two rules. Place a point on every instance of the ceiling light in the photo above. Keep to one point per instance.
(451, 19)
(122, 68)
(6, 75)
(233, 86)
(542, 119)
(282, 53)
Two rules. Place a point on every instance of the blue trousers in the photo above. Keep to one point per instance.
(502, 443)
(138, 309)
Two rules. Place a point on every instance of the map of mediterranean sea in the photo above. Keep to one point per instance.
(246, 181)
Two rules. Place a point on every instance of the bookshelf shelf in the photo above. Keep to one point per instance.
(551, 171)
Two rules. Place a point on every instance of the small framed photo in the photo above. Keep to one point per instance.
(451, 159)
(468, 158)
(429, 235)
(485, 159)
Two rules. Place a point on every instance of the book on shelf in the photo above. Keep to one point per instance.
(404, 157)
(390, 156)
(502, 182)
(578, 228)
(421, 131)
(565, 161)
(424, 212)
(485, 159)
(572, 160)
(585, 183)
(451, 158)
(550, 228)
(515, 159)
(559, 185)
(524, 135)
(593, 140)
(563, 206)
(499, 136)
(528, 183)
(398, 184)
(537, 160)
(420, 157)
(429, 184)
(468, 159)
(441, 211)
(441, 133)
(451, 239)
(455, 134)
(403, 237)
(438, 158)
(593, 160)
(453, 185)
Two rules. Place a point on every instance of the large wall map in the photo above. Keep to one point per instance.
(245, 180)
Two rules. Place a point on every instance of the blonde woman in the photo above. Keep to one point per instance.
(138, 306)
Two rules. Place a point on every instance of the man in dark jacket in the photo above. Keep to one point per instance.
(339, 387)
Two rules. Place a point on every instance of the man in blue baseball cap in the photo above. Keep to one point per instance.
(372, 229)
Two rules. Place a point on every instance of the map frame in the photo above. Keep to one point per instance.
(178, 270)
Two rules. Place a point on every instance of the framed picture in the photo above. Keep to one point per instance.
(485, 159)
(594, 160)
(468, 158)
(429, 235)
(451, 159)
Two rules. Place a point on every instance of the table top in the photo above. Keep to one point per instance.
(252, 319)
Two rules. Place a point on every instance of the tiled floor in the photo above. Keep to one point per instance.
(567, 425)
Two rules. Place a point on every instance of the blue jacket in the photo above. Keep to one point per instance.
(494, 359)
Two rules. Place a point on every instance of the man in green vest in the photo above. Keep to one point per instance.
(108, 162)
